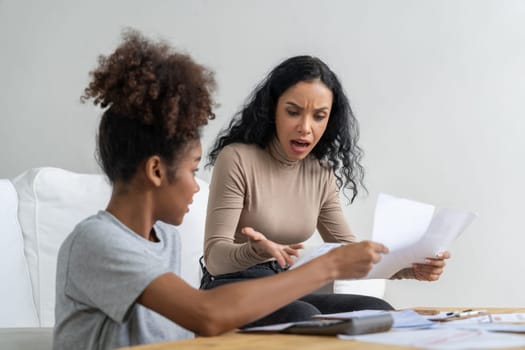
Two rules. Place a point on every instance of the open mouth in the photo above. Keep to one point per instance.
(299, 146)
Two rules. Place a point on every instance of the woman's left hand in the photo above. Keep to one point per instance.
(432, 269)
(264, 247)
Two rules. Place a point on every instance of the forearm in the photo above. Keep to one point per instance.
(211, 312)
(224, 257)
(221, 252)
(332, 227)
(332, 223)
(232, 305)
(226, 200)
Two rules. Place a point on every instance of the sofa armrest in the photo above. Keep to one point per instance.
(26, 338)
(17, 308)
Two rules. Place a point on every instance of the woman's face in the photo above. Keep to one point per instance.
(177, 195)
(301, 117)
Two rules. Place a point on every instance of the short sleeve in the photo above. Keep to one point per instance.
(108, 272)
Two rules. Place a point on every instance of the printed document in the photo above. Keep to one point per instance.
(413, 231)
(443, 338)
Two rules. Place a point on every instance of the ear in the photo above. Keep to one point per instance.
(155, 170)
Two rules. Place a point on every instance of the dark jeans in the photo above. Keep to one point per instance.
(303, 308)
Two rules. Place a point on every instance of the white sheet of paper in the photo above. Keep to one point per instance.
(413, 231)
(443, 338)
(512, 317)
(399, 222)
(314, 253)
(491, 327)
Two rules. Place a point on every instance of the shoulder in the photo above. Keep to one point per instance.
(86, 230)
(97, 235)
(319, 168)
(240, 150)
(241, 155)
(85, 239)
(94, 228)
(237, 162)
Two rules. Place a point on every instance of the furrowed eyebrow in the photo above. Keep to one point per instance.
(294, 105)
(322, 109)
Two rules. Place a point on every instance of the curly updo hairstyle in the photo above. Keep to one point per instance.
(156, 100)
(255, 123)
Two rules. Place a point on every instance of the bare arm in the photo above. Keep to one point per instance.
(215, 311)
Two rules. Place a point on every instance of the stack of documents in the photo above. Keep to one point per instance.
(413, 329)
(443, 338)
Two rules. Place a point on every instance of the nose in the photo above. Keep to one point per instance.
(304, 127)
(197, 187)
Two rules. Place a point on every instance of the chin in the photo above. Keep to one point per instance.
(298, 156)
(177, 220)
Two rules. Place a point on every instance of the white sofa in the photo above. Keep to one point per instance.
(38, 209)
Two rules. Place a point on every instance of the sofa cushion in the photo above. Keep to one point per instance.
(26, 338)
(51, 202)
(372, 287)
(16, 295)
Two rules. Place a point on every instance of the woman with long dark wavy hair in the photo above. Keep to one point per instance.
(278, 171)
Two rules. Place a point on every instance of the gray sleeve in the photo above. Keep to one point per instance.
(109, 271)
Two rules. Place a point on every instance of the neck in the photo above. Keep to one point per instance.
(133, 209)
(277, 151)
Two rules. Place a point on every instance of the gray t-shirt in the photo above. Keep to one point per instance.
(102, 269)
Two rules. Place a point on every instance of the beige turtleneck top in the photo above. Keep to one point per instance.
(283, 199)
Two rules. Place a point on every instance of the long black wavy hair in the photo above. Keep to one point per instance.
(255, 122)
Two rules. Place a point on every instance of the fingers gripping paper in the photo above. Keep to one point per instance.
(413, 231)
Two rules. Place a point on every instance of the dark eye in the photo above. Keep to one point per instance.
(292, 113)
(320, 117)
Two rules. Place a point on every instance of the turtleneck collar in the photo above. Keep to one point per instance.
(277, 152)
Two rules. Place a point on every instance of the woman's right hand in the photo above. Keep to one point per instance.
(355, 260)
(269, 249)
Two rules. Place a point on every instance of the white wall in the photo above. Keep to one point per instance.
(438, 87)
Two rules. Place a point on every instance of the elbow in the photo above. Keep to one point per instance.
(209, 329)
(211, 326)
(212, 321)
(212, 264)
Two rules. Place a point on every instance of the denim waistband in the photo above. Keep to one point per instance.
(272, 264)
(267, 268)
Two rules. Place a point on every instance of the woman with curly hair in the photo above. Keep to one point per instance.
(278, 169)
(117, 282)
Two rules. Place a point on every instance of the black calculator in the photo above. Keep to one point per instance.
(353, 326)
